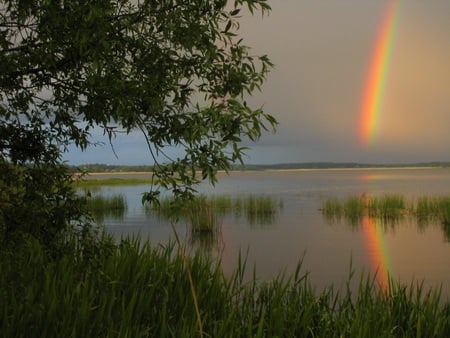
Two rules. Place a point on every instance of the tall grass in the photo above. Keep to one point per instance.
(200, 214)
(352, 208)
(258, 209)
(332, 209)
(390, 207)
(140, 291)
(204, 213)
(434, 206)
(104, 206)
(387, 206)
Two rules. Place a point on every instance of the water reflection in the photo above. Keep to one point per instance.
(389, 211)
(204, 216)
(100, 216)
(388, 223)
(378, 251)
(205, 213)
(418, 247)
(102, 207)
(207, 241)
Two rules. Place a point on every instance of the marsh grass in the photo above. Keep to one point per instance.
(135, 290)
(258, 209)
(205, 213)
(352, 209)
(199, 212)
(332, 210)
(114, 181)
(201, 216)
(434, 207)
(103, 206)
(387, 207)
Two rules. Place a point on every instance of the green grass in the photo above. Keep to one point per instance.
(387, 206)
(258, 209)
(100, 206)
(352, 208)
(201, 215)
(135, 290)
(199, 212)
(332, 207)
(434, 206)
(204, 213)
(390, 209)
(111, 182)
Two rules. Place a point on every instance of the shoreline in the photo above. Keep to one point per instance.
(148, 174)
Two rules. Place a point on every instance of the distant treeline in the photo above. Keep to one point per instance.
(103, 168)
(342, 165)
(98, 167)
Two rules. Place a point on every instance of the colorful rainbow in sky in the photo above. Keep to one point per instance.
(378, 73)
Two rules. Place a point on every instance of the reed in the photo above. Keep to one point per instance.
(201, 215)
(103, 206)
(332, 208)
(221, 203)
(434, 208)
(99, 202)
(387, 206)
(138, 290)
(354, 208)
(444, 209)
(258, 209)
(390, 208)
(204, 213)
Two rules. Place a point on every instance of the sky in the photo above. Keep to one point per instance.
(325, 73)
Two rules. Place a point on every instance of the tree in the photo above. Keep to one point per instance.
(174, 69)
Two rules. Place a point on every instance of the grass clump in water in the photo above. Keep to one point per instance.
(204, 213)
(387, 206)
(352, 208)
(436, 208)
(200, 214)
(390, 208)
(103, 206)
(258, 209)
(433, 207)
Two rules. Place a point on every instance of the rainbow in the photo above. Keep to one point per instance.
(378, 73)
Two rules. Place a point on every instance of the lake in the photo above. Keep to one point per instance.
(328, 249)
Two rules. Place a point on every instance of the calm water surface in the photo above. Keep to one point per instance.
(300, 232)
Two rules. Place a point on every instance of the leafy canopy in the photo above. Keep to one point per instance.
(176, 70)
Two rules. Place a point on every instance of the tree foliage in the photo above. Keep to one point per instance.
(175, 70)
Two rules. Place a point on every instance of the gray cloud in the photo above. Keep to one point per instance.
(321, 51)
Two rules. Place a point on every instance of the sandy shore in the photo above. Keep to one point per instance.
(148, 175)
